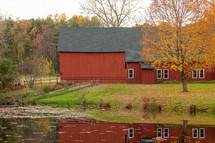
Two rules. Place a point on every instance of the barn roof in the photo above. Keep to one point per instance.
(102, 40)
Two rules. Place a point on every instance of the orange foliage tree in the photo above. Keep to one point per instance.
(179, 36)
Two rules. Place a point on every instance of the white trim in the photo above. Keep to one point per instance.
(196, 74)
(200, 132)
(193, 132)
(164, 73)
(203, 74)
(132, 132)
(160, 132)
(160, 73)
(129, 73)
(164, 133)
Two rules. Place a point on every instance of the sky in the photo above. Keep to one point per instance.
(27, 9)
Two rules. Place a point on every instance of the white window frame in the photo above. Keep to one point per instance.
(203, 132)
(196, 74)
(193, 133)
(160, 132)
(164, 73)
(203, 74)
(157, 73)
(129, 73)
(131, 131)
(164, 133)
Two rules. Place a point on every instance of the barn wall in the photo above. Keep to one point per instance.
(208, 76)
(137, 72)
(148, 76)
(111, 68)
(175, 76)
(107, 67)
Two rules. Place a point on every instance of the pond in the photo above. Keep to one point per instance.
(53, 130)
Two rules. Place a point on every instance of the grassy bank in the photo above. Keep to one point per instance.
(164, 103)
(131, 102)
(167, 95)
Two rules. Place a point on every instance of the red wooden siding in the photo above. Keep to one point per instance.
(96, 132)
(111, 68)
(137, 72)
(107, 67)
(148, 76)
(175, 76)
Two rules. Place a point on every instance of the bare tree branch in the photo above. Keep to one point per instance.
(112, 13)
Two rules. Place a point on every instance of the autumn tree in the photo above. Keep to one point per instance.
(10, 51)
(3, 44)
(112, 13)
(178, 36)
(44, 47)
(34, 68)
(8, 72)
(84, 21)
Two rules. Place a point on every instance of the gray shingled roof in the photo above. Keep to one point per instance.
(102, 40)
(147, 66)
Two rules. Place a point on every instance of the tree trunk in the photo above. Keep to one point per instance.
(183, 134)
(184, 82)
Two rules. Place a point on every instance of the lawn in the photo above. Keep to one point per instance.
(168, 95)
(173, 102)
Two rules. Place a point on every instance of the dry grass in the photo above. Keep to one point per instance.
(173, 102)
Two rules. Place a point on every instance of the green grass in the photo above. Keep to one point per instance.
(168, 95)
(173, 101)
(93, 95)
(125, 116)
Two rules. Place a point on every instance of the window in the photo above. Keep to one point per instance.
(166, 132)
(159, 74)
(194, 74)
(130, 73)
(165, 73)
(195, 133)
(159, 132)
(202, 74)
(201, 133)
(130, 133)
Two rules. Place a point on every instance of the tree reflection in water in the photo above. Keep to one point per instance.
(93, 131)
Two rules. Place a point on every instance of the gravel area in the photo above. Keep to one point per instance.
(40, 112)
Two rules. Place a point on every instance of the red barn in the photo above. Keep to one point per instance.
(93, 131)
(111, 55)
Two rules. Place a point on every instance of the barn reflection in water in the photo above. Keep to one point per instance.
(93, 131)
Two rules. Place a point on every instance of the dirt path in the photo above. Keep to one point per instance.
(40, 112)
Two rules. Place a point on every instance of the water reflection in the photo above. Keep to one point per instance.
(29, 130)
(93, 131)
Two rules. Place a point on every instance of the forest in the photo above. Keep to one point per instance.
(29, 47)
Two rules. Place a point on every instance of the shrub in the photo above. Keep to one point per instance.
(192, 109)
(57, 86)
(129, 106)
(152, 107)
(33, 102)
(65, 83)
(15, 86)
(46, 89)
(8, 72)
(103, 105)
(24, 94)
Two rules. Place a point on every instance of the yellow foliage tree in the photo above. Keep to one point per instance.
(179, 36)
